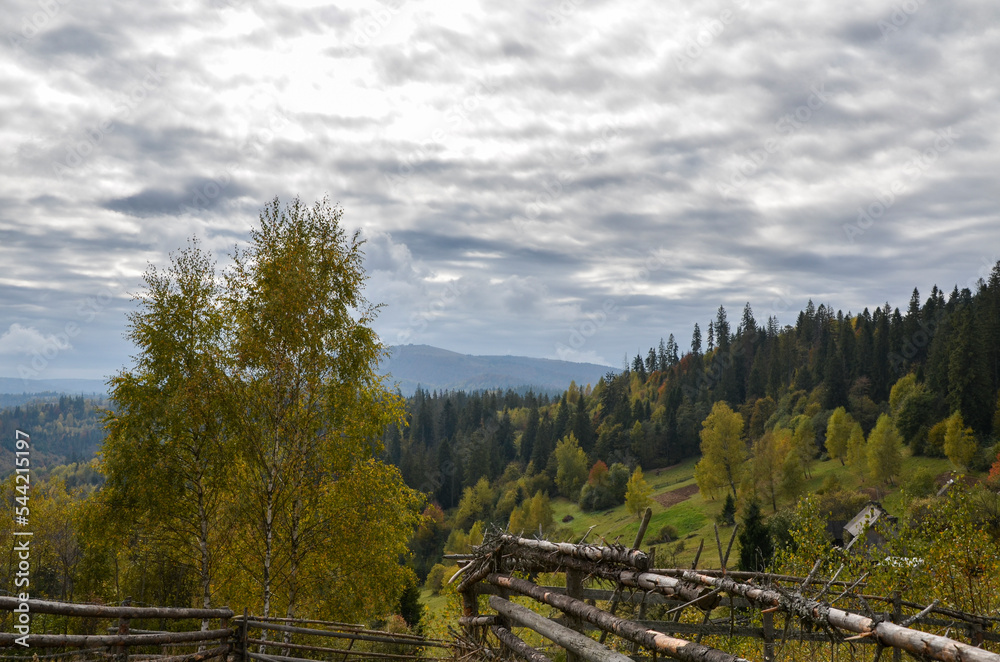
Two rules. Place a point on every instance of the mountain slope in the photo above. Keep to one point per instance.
(434, 368)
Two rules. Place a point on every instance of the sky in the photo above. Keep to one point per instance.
(569, 179)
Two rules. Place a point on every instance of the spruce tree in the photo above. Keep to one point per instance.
(756, 547)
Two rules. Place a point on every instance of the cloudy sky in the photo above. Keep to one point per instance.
(564, 179)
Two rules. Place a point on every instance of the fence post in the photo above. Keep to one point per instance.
(121, 650)
(244, 635)
(897, 617)
(224, 624)
(768, 636)
(470, 609)
(574, 589)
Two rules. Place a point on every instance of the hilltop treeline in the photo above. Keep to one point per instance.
(69, 429)
(459, 445)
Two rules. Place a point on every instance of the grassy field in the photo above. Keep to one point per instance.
(694, 518)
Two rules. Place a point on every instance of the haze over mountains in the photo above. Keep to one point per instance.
(409, 366)
(434, 368)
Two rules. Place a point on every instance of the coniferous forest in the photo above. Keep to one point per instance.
(925, 376)
(495, 457)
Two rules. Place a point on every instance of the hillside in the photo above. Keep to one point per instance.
(433, 368)
(14, 392)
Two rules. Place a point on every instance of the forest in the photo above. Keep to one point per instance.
(195, 451)
(764, 398)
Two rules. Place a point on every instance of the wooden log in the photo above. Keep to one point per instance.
(201, 656)
(479, 621)
(668, 586)
(651, 639)
(888, 634)
(762, 577)
(578, 643)
(79, 640)
(384, 638)
(306, 621)
(630, 557)
(101, 611)
(696, 595)
(517, 646)
(342, 627)
(346, 652)
(285, 658)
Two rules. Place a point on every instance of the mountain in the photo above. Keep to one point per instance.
(19, 391)
(434, 368)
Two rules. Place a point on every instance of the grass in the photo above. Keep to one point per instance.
(695, 518)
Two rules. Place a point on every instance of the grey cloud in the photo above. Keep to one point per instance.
(196, 193)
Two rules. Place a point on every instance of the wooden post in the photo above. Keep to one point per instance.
(121, 651)
(224, 623)
(470, 609)
(574, 589)
(244, 635)
(897, 617)
(768, 636)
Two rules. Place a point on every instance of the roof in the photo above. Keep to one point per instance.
(868, 516)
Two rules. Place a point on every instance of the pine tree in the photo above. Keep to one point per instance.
(756, 547)
(696, 340)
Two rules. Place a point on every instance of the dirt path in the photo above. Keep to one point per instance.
(674, 497)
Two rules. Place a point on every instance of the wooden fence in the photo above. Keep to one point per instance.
(125, 639)
(747, 602)
(240, 638)
(255, 644)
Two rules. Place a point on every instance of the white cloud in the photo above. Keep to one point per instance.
(26, 340)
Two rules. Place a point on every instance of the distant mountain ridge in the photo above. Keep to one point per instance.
(433, 368)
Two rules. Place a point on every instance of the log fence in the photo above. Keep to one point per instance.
(237, 638)
(773, 610)
(123, 642)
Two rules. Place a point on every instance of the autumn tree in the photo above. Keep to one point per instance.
(571, 472)
(857, 456)
(532, 516)
(637, 493)
(168, 452)
(309, 405)
(723, 450)
(265, 380)
(884, 452)
(766, 461)
(959, 441)
(838, 431)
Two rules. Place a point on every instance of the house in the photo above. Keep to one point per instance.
(861, 526)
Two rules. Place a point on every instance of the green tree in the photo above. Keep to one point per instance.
(884, 451)
(857, 456)
(168, 452)
(804, 443)
(766, 463)
(723, 451)
(532, 516)
(838, 431)
(637, 493)
(959, 441)
(571, 472)
(308, 405)
(756, 547)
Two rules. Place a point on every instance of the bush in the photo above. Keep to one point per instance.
(920, 484)
(667, 533)
(728, 515)
(435, 579)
